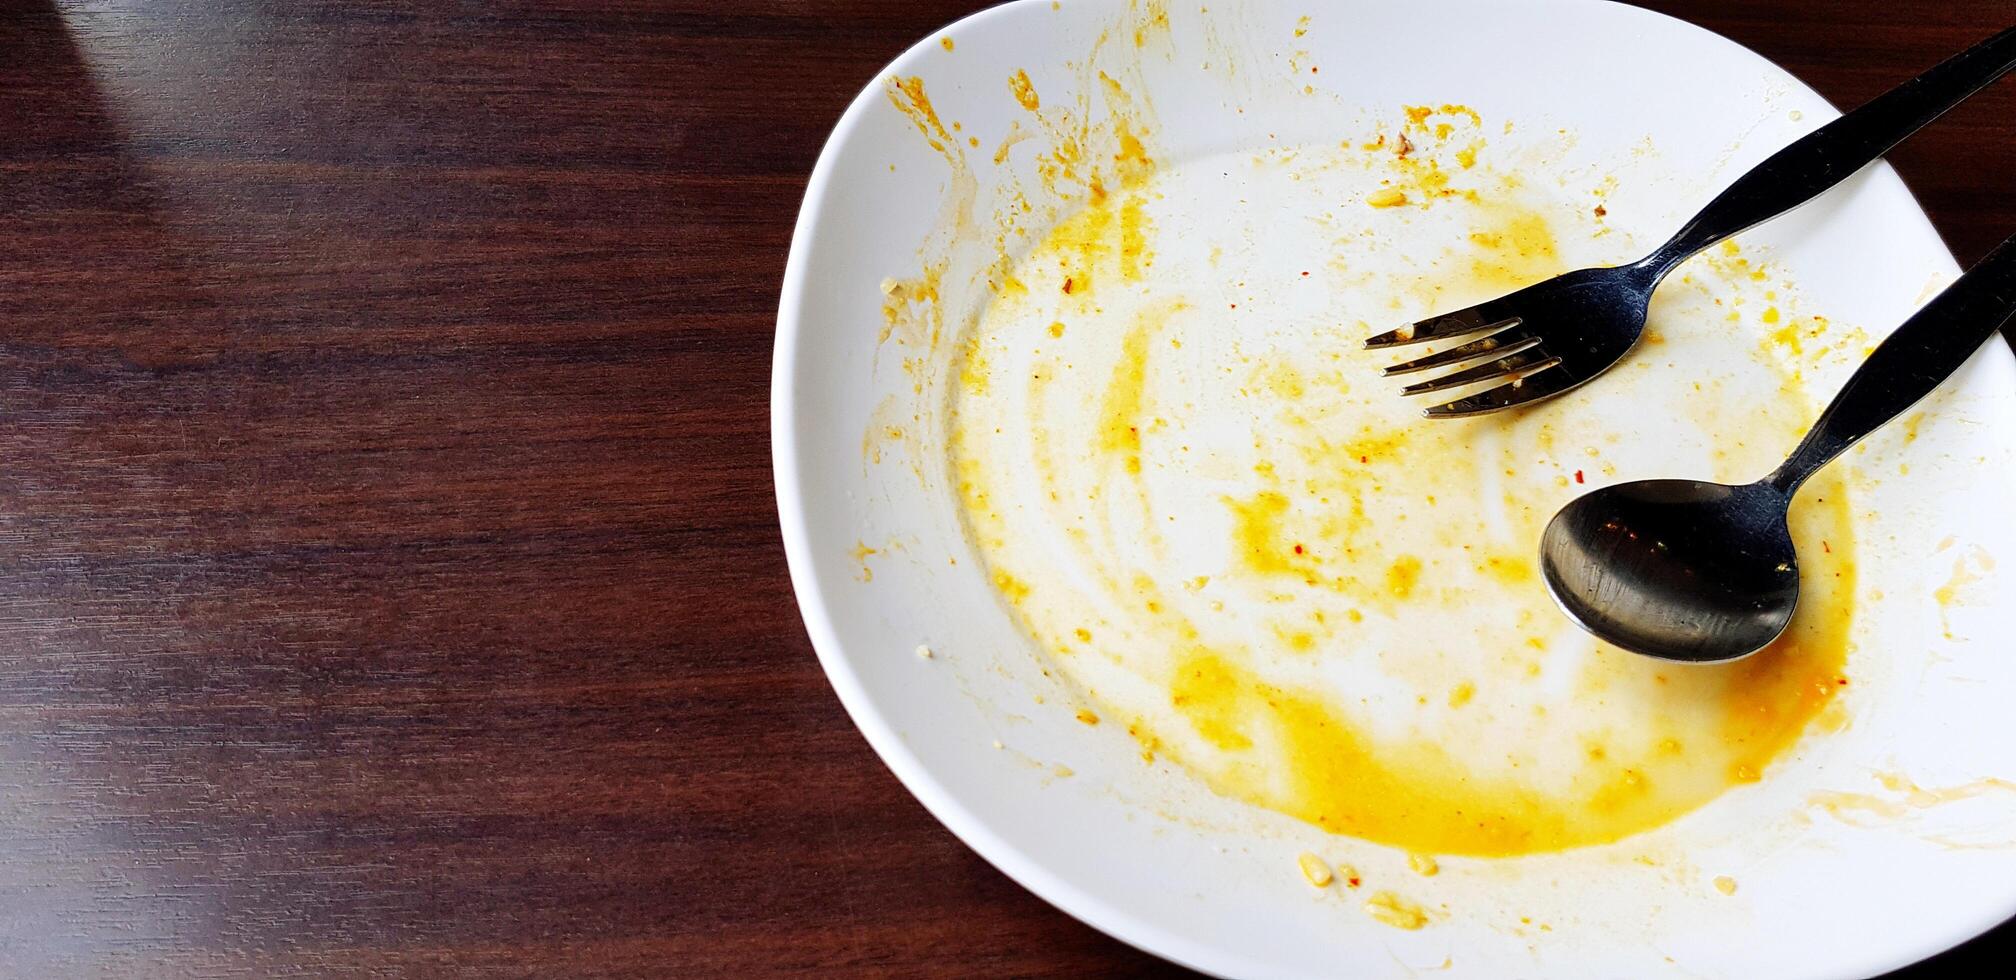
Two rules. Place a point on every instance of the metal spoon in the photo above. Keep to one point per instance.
(1705, 572)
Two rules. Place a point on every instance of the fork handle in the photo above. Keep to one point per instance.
(1828, 155)
(1910, 363)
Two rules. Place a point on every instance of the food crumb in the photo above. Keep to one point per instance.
(945, 42)
(1064, 772)
(1725, 884)
(1313, 869)
(923, 652)
(1388, 197)
(1086, 716)
(1395, 911)
(1423, 865)
(998, 745)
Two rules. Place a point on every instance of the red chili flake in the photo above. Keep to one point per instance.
(1354, 881)
(1298, 549)
(1067, 284)
(1305, 272)
(1601, 210)
(1235, 306)
(1843, 681)
(1364, 459)
(1824, 546)
(1578, 476)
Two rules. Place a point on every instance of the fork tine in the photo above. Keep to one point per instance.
(1512, 340)
(1529, 360)
(1526, 389)
(1454, 324)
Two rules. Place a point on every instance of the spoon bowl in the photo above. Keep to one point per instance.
(1678, 569)
(1705, 572)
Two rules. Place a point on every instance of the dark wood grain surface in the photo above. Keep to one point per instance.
(389, 578)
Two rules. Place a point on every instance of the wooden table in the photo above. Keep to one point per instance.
(389, 578)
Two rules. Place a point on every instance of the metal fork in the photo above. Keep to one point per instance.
(1556, 335)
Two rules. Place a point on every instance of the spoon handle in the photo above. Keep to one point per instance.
(1910, 363)
(1830, 154)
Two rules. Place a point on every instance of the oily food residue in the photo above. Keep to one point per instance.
(1054, 157)
(1198, 502)
(1188, 484)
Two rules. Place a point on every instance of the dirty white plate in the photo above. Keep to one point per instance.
(1861, 850)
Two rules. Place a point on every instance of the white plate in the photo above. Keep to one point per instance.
(1144, 852)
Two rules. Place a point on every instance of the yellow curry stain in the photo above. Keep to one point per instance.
(1024, 90)
(1509, 570)
(1411, 794)
(1773, 694)
(1260, 542)
(1108, 237)
(974, 371)
(1402, 576)
(861, 554)
(1865, 809)
(912, 308)
(907, 95)
(1155, 17)
(1920, 797)
(1910, 426)
(1514, 248)
(1130, 158)
(913, 304)
(1418, 151)
(1967, 570)
(1120, 409)
(1406, 792)
(1206, 690)
(1013, 589)
(1133, 238)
